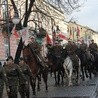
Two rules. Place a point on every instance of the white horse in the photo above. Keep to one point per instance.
(68, 66)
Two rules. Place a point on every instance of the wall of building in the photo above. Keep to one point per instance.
(4, 47)
(86, 33)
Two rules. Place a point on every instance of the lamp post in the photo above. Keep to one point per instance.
(15, 19)
(8, 28)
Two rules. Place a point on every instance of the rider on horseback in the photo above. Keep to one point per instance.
(83, 48)
(71, 49)
(57, 49)
(36, 48)
(93, 47)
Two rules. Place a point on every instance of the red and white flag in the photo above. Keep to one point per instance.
(54, 37)
(48, 39)
(78, 31)
(15, 33)
(61, 36)
(24, 34)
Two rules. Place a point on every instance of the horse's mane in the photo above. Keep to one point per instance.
(32, 54)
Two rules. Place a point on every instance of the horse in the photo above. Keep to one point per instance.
(95, 63)
(87, 60)
(71, 70)
(30, 58)
(55, 63)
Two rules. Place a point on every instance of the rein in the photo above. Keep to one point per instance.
(32, 52)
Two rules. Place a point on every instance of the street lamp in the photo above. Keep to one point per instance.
(8, 28)
(15, 19)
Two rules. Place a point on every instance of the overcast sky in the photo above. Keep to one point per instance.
(88, 14)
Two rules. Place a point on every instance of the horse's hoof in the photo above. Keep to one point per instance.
(34, 93)
(70, 85)
(83, 79)
(58, 84)
(86, 76)
(55, 84)
(62, 84)
(46, 91)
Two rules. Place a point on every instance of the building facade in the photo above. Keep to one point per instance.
(79, 32)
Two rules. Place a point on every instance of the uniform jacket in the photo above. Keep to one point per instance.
(13, 72)
(27, 73)
(93, 46)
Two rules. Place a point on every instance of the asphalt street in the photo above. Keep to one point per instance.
(86, 89)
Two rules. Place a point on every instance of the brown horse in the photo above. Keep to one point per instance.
(56, 66)
(31, 59)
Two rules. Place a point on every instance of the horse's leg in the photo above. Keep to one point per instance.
(55, 77)
(82, 70)
(90, 70)
(78, 75)
(62, 76)
(66, 72)
(33, 85)
(58, 82)
(45, 78)
(86, 70)
(38, 82)
(70, 77)
(51, 72)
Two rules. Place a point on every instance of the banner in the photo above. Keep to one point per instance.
(24, 34)
(15, 33)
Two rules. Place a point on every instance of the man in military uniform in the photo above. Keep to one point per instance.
(3, 79)
(57, 52)
(57, 49)
(13, 72)
(83, 46)
(36, 48)
(24, 87)
(93, 46)
(71, 49)
(83, 49)
(49, 51)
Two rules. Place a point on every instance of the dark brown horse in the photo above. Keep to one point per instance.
(31, 59)
(56, 66)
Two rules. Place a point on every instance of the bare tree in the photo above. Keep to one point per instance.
(31, 6)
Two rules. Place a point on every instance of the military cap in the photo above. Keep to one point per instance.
(9, 57)
(21, 58)
(32, 37)
(69, 39)
(92, 40)
(56, 42)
